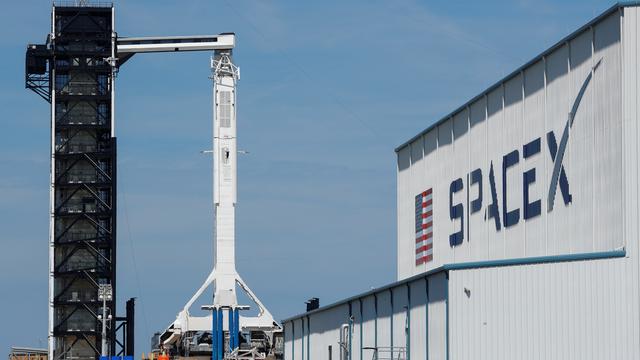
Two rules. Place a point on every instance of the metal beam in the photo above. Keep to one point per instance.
(134, 45)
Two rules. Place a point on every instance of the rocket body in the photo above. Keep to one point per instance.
(225, 166)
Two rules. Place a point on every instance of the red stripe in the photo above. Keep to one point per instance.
(428, 192)
(423, 248)
(424, 259)
(428, 242)
(427, 214)
(427, 225)
(424, 237)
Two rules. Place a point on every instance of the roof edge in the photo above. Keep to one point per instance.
(537, 58)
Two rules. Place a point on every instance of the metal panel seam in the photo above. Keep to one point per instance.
(426, 279)
(391, 319)
(375, 321)
(407, 334)
(446, 320)
(308, 338)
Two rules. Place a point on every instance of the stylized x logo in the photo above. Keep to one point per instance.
(552, 144)
(558, 170)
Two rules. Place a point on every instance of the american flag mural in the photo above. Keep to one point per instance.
(424, 227)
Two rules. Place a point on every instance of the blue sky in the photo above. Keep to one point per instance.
(328, 90)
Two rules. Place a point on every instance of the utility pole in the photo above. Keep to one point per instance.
(105, 293)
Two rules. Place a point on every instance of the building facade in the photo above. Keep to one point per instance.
(517, 220)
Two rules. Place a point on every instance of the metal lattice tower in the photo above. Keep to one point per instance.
(74, 73)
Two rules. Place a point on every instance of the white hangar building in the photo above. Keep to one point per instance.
(518, 221)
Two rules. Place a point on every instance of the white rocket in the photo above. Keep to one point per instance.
(224, 276)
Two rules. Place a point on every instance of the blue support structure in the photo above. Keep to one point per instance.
(231, 330)
(236, 333)
(220, 337)
(214, 334)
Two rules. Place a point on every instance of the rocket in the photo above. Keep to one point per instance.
(224, 277)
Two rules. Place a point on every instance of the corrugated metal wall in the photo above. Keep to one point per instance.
(296, 344)
(533, 104)
(369, 338)
(418, 320)
(400, 312)
(437, 325)
(568, 310)
(325, 331)
(381, 323)
(571, 309)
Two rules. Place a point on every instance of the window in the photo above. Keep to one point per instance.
(225, 156)
(225, 109)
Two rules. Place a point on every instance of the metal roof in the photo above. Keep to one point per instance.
(433, 271)
(560, 43)
(622, 252)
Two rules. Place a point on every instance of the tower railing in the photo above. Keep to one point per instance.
(388, 352)
(85, 3)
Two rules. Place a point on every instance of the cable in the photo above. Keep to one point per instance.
(133, 259)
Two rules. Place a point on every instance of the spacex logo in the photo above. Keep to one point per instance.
(558, 169)
(497, 212)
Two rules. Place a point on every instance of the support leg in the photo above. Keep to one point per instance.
(231, 330)
(220, 339)
(236, 322)
(214, 334)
